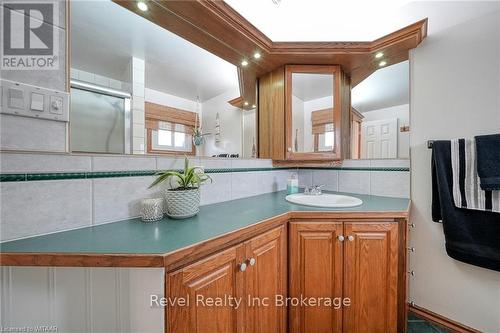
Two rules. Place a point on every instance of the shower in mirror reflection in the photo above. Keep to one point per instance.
(171, 82)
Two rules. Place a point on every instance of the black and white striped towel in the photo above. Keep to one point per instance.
(467, 192)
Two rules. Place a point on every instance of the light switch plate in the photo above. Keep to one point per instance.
(35, 102)
(16, 98)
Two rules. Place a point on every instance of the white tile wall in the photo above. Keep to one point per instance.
(390, 183)
(23, 133)
(38, 207)
(329, 178)
(97, 79)
(216, 163)
(137, 78)
(119, 198)
(218, 190)
(105, 200)
(20, 163)
(356, 163)
(305, 178)
(354, 182)
(245, 184)
(384, 183)
(163, 163)
(402, 163)
(123, 163)
(251, 163)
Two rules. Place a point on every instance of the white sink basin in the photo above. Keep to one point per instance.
(324, 200)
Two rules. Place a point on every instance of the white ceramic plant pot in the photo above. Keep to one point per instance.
(181, 204)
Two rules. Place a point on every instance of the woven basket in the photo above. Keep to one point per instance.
(182, 204)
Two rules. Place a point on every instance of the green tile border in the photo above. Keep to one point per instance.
(20, 177)
(359, 168)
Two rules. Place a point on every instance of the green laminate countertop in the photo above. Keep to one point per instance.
(135, 237)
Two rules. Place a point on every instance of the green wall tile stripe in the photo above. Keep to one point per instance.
(359, 168)
(13, 177)
(17, 177)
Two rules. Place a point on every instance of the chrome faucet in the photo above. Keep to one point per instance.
(315, 190)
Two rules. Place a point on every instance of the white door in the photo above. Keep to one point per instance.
(379, 138)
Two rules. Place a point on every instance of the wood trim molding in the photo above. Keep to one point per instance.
(335, 71)
(440, 320)
(216, 27)
(183, 256)
(81, 259)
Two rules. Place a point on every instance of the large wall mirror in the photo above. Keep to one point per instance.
(380, 114)
(137, 88)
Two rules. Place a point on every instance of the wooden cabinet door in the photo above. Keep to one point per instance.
(265, 277)
(215, 276)
(371, 277)
(315, 271)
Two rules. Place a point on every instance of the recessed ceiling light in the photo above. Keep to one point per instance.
(244, 63)
(142, 6)
(246, 103)
(382, 63)
(379, 55)
(256, 55)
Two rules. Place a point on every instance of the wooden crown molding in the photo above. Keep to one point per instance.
(218, 28)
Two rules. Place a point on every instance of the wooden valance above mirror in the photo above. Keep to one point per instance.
(227, 34)
(157, 112)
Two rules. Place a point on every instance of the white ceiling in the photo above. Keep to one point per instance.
(353, 20)
(311, 86)
(388, 86)
(104, 36)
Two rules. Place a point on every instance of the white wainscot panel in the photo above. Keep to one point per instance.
(82, 299)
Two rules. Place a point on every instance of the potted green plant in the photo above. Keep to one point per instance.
(182, 199)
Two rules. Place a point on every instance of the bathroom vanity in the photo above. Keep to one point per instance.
(260, 246)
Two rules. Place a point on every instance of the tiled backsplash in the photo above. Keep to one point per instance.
(118, 184)
(376, 177)
(44, 206)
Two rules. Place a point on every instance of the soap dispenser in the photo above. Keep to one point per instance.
(292, 184)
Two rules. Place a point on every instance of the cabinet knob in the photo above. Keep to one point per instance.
(243, 267)
(412, 225)
(289, 149)
(341, 238)
(350, 238)
(252, 261)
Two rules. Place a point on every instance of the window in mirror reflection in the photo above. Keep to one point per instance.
(164, 138)
(172, 86)
(171, 138)
(312, 112)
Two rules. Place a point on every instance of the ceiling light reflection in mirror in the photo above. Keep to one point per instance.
(105, 37)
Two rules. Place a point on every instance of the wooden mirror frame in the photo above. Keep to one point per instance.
(337, 112)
